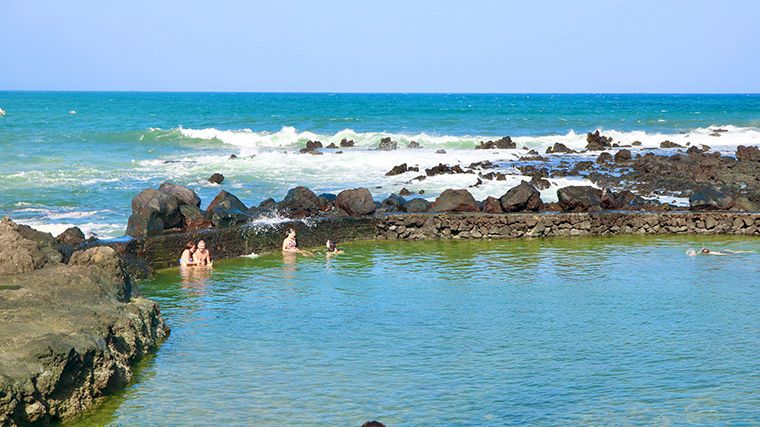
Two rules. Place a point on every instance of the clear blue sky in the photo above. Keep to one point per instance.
(383, 46)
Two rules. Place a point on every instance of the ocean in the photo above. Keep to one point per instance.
(77, 158)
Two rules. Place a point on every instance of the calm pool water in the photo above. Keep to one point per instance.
(587, 331)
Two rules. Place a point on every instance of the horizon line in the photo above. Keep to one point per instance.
(366, 93)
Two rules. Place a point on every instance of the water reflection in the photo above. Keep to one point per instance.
(195, 278)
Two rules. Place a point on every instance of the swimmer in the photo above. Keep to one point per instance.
(332, 249)
(290, 244)
(203, 256)
(707, 251)
(187, 255)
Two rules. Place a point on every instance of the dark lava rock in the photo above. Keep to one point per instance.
(747, 154)
(386, 144)
(402, 168)
(356, 202)
(444, 169)
(405, 192)
(193, 218)
(524, 197)
(485, 164)
(636, 143)
(416, 205)
(227, 210)
(394, 203)
(184, 195)
(332, 145)
(539, 182)
(441, 151)
(24, 249)
(579, 198)
(670, 144)
(164, 204)
(327, 202)
(311, 147)
(455, 201)
(623, 156)
(233, 156)
(346, 143)
(414, 144)
(597, 142)
(494, 175)
(709, 198)
(604, 158)
(559, 147)
(491, 205)
(71, 236)
(216, 178)
(502, 143)
(268, 205)
(300, 202)
(144, 223)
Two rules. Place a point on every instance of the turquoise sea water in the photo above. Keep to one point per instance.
(72, 158)
(575, 331)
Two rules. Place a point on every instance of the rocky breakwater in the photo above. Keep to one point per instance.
(71, 325)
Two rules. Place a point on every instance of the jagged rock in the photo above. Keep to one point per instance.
(455, 201)
(523, 197)
(227, 210)
(193, 218)
(493, 175)
(346, 143)
(216, 178)
(71, 236)
(414, 144)
(147, 222)
(444, 169)
(559, 147)
(402, 168)
(597, 142)
(268, 205)
(405, 192)
(670, 144)
(579, 198)
(162, 202)
(709, 198)
(332, 145)
(23, 250)
(386, 144)
(491, 205)
(539, 182)
(484, 164)
(356, 202)
(394, 203)
(300, 202)
(502, 144)
(311, 147)
(416, 205)
(623, 156)
(183, 194)
(748, 154)
(441, 151)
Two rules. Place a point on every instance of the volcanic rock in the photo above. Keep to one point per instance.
(356, 202)
(523, 197)
(455, 201)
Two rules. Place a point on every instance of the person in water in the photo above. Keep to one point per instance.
(202, 255)
(290, 244)
(706, 251)
(332, 249)
(187, 255)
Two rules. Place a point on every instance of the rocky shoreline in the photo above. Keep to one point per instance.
(72, 326)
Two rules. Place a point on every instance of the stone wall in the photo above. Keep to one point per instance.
(503, 226)
(164, 251)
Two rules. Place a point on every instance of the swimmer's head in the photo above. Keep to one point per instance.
(704, 251)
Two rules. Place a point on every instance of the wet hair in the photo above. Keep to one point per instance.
(373, 423)
(190, 245)
(331, 246)
(704, 251)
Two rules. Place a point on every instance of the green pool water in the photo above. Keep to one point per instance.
(581, 331)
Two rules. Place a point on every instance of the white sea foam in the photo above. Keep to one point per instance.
(89, 229)
(251, 142)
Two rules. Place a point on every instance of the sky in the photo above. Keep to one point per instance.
(673, 46)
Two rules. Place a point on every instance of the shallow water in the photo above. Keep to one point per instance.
(575, 331)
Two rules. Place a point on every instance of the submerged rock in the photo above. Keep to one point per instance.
(402, 168)
(524, 197)
(346, 143)
(311, 147)
(355, 202)
(414, 144)
(559, 147)
(455, 201)
(670, 144)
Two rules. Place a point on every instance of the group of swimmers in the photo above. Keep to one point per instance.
(196, 255)
(290, 245)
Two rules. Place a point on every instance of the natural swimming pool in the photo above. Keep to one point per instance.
(591, 331)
